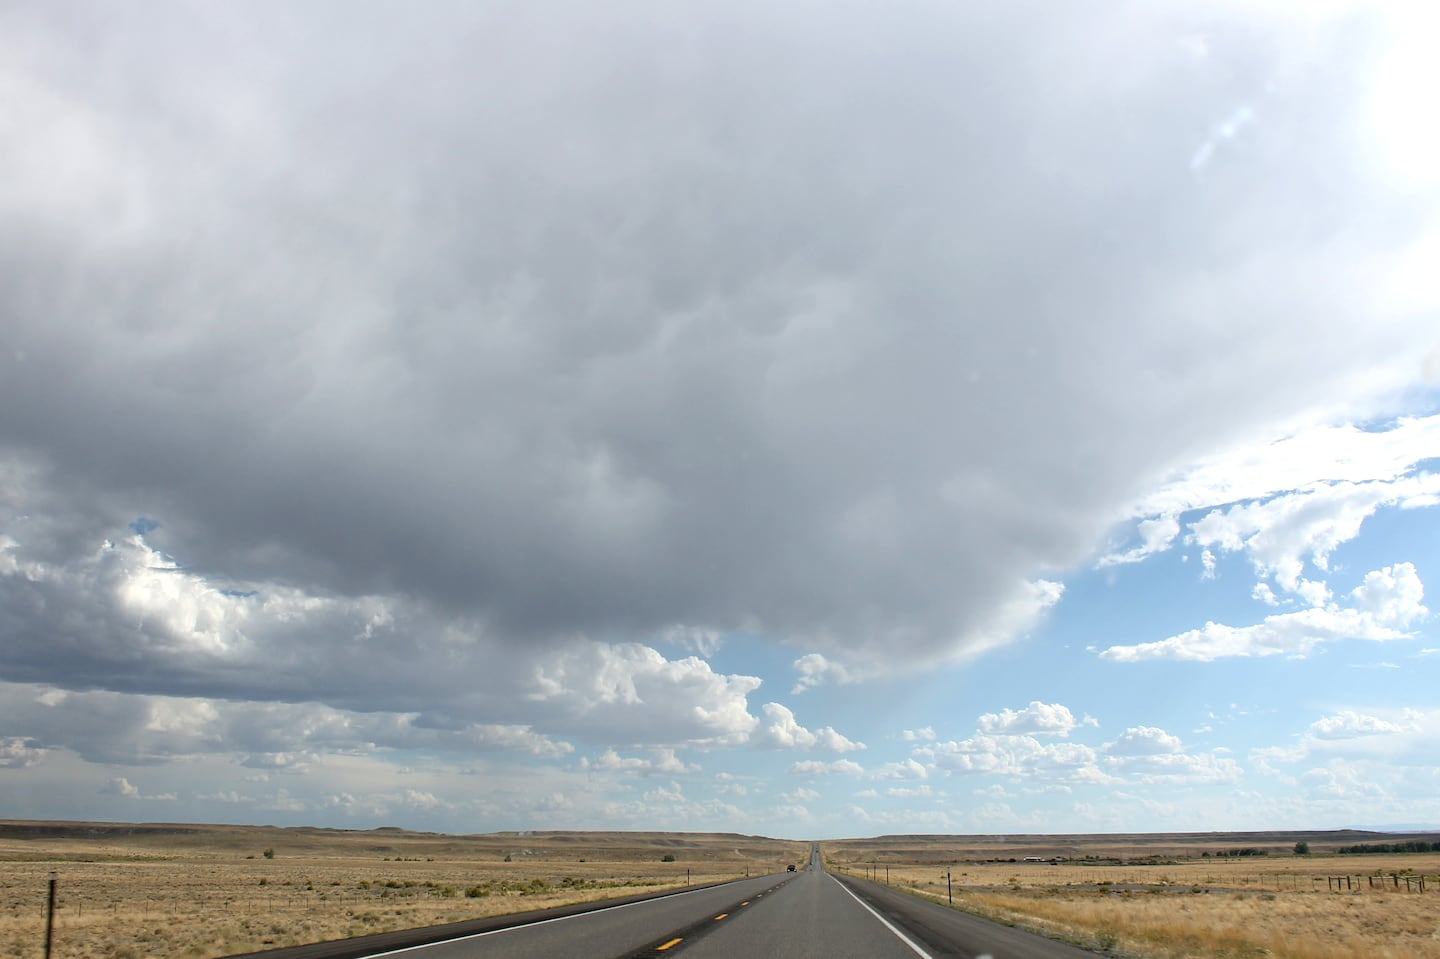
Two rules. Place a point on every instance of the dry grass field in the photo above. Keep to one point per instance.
(134, 892)
(139, 891)
(1178, 897)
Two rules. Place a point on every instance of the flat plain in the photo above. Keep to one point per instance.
(133, 891)
(128, 891)
(1179, 896)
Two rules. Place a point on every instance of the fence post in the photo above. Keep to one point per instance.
(50, 917)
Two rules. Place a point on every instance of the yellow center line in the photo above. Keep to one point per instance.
(672, 942)
(721, 916)
(746, 903)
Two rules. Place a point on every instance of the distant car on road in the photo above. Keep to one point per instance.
(790, 868)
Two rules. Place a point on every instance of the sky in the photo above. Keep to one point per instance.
(804, 419)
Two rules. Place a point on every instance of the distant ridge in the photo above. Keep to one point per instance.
(1227, 835)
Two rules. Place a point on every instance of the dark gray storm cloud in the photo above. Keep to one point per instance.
(543, 324)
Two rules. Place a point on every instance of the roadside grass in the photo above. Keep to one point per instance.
(1280, 908)
(123, 903)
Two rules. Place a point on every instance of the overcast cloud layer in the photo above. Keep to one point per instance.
(463, 377)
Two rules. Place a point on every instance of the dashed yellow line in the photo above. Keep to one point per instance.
(721, 916)
(672, 942)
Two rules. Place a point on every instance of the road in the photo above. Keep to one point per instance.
(810, 914)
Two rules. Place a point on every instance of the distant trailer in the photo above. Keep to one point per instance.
(1036, 859)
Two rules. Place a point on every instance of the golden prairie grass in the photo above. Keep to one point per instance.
(138, 899)
(1285, 908)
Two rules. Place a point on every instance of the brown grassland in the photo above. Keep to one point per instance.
(134, 891)
(137, 891)
(1178, 897)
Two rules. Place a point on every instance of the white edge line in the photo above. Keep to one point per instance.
(531, 925)
(898, 934)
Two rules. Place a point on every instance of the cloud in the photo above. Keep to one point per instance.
(293, 762)
(1223, 132)
(1044, 719)
(1156, 535)
(1141, 755)
(1016, 756)
(1173, 768)
(1293, 501)
(1282, 533)
(553, 803)
(472, 426)
(667, 807)
(1149, 755)
(1144, 741)
(792, 811)
(814, 767)
(706, 365)
(119, 787)
(705, 642)
(16, 752)
(660, 761)
(905, 769)
(108, 727)
(136, 621)
(1342, 783)
(510, 737)
(1317, 456)
(629, 692)
(1351, 725)
(1387, 603)
(910, 792)
(1405, 737)
(1392, 595)
(815, 670)
(779, 730)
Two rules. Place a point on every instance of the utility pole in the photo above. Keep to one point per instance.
(949, 890)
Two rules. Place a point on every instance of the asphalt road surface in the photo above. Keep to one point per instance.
(809, 914)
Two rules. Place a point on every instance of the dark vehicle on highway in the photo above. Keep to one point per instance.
(790, 868)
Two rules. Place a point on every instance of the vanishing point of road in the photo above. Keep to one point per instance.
(810, 914)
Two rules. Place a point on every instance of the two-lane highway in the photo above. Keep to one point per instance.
(650, 927)
(812, 917)
(809, 914)
(820, 916)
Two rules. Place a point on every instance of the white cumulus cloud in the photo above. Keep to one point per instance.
(780, 730)
(1387, 604)
(1041, 719)
(815, 767)
(1144, 741)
